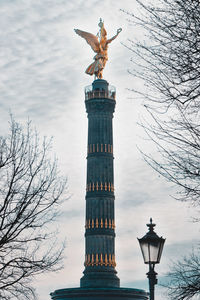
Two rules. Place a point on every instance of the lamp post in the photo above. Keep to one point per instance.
(151, 246)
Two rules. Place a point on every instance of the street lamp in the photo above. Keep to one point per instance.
(151, 246)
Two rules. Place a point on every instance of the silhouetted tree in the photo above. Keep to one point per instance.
(168, 63)
(177, 139)
(184, 278)
(30, 191)
(166, 60)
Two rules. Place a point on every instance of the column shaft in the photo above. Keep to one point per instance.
(100, 223)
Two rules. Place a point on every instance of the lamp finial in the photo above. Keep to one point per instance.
(151, 225)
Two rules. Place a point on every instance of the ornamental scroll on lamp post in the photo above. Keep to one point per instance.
(151, 246)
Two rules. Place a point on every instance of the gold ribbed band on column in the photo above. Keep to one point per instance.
(100, 223)
(100, 260)
(99, 186)
(93, 148)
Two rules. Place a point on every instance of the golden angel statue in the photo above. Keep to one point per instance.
(99, 44)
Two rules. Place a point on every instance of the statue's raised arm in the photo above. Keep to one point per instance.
(99, 45)
(114, 37)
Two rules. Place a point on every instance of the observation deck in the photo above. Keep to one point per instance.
(108, 93)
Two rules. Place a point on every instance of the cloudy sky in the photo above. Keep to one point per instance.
(42, 77)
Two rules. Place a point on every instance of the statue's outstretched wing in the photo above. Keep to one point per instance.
(90, 38)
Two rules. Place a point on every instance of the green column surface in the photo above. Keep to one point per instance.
(100, 221)
(99, 280)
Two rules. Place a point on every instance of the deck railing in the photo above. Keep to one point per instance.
(92, 94)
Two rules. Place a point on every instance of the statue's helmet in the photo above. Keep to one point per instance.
(101, 25)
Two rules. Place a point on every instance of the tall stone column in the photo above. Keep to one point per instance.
(100, 280)
(100, 221)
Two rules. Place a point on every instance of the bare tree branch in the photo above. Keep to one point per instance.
(31, 190)
(167, 63)
(184, 278)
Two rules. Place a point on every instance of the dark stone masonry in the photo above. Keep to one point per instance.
(100, 280)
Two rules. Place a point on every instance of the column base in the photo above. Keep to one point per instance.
(99, 294)
(100, 279)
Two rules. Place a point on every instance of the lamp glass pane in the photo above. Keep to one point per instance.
(145, 251)
(162, 241)
(153, 251)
